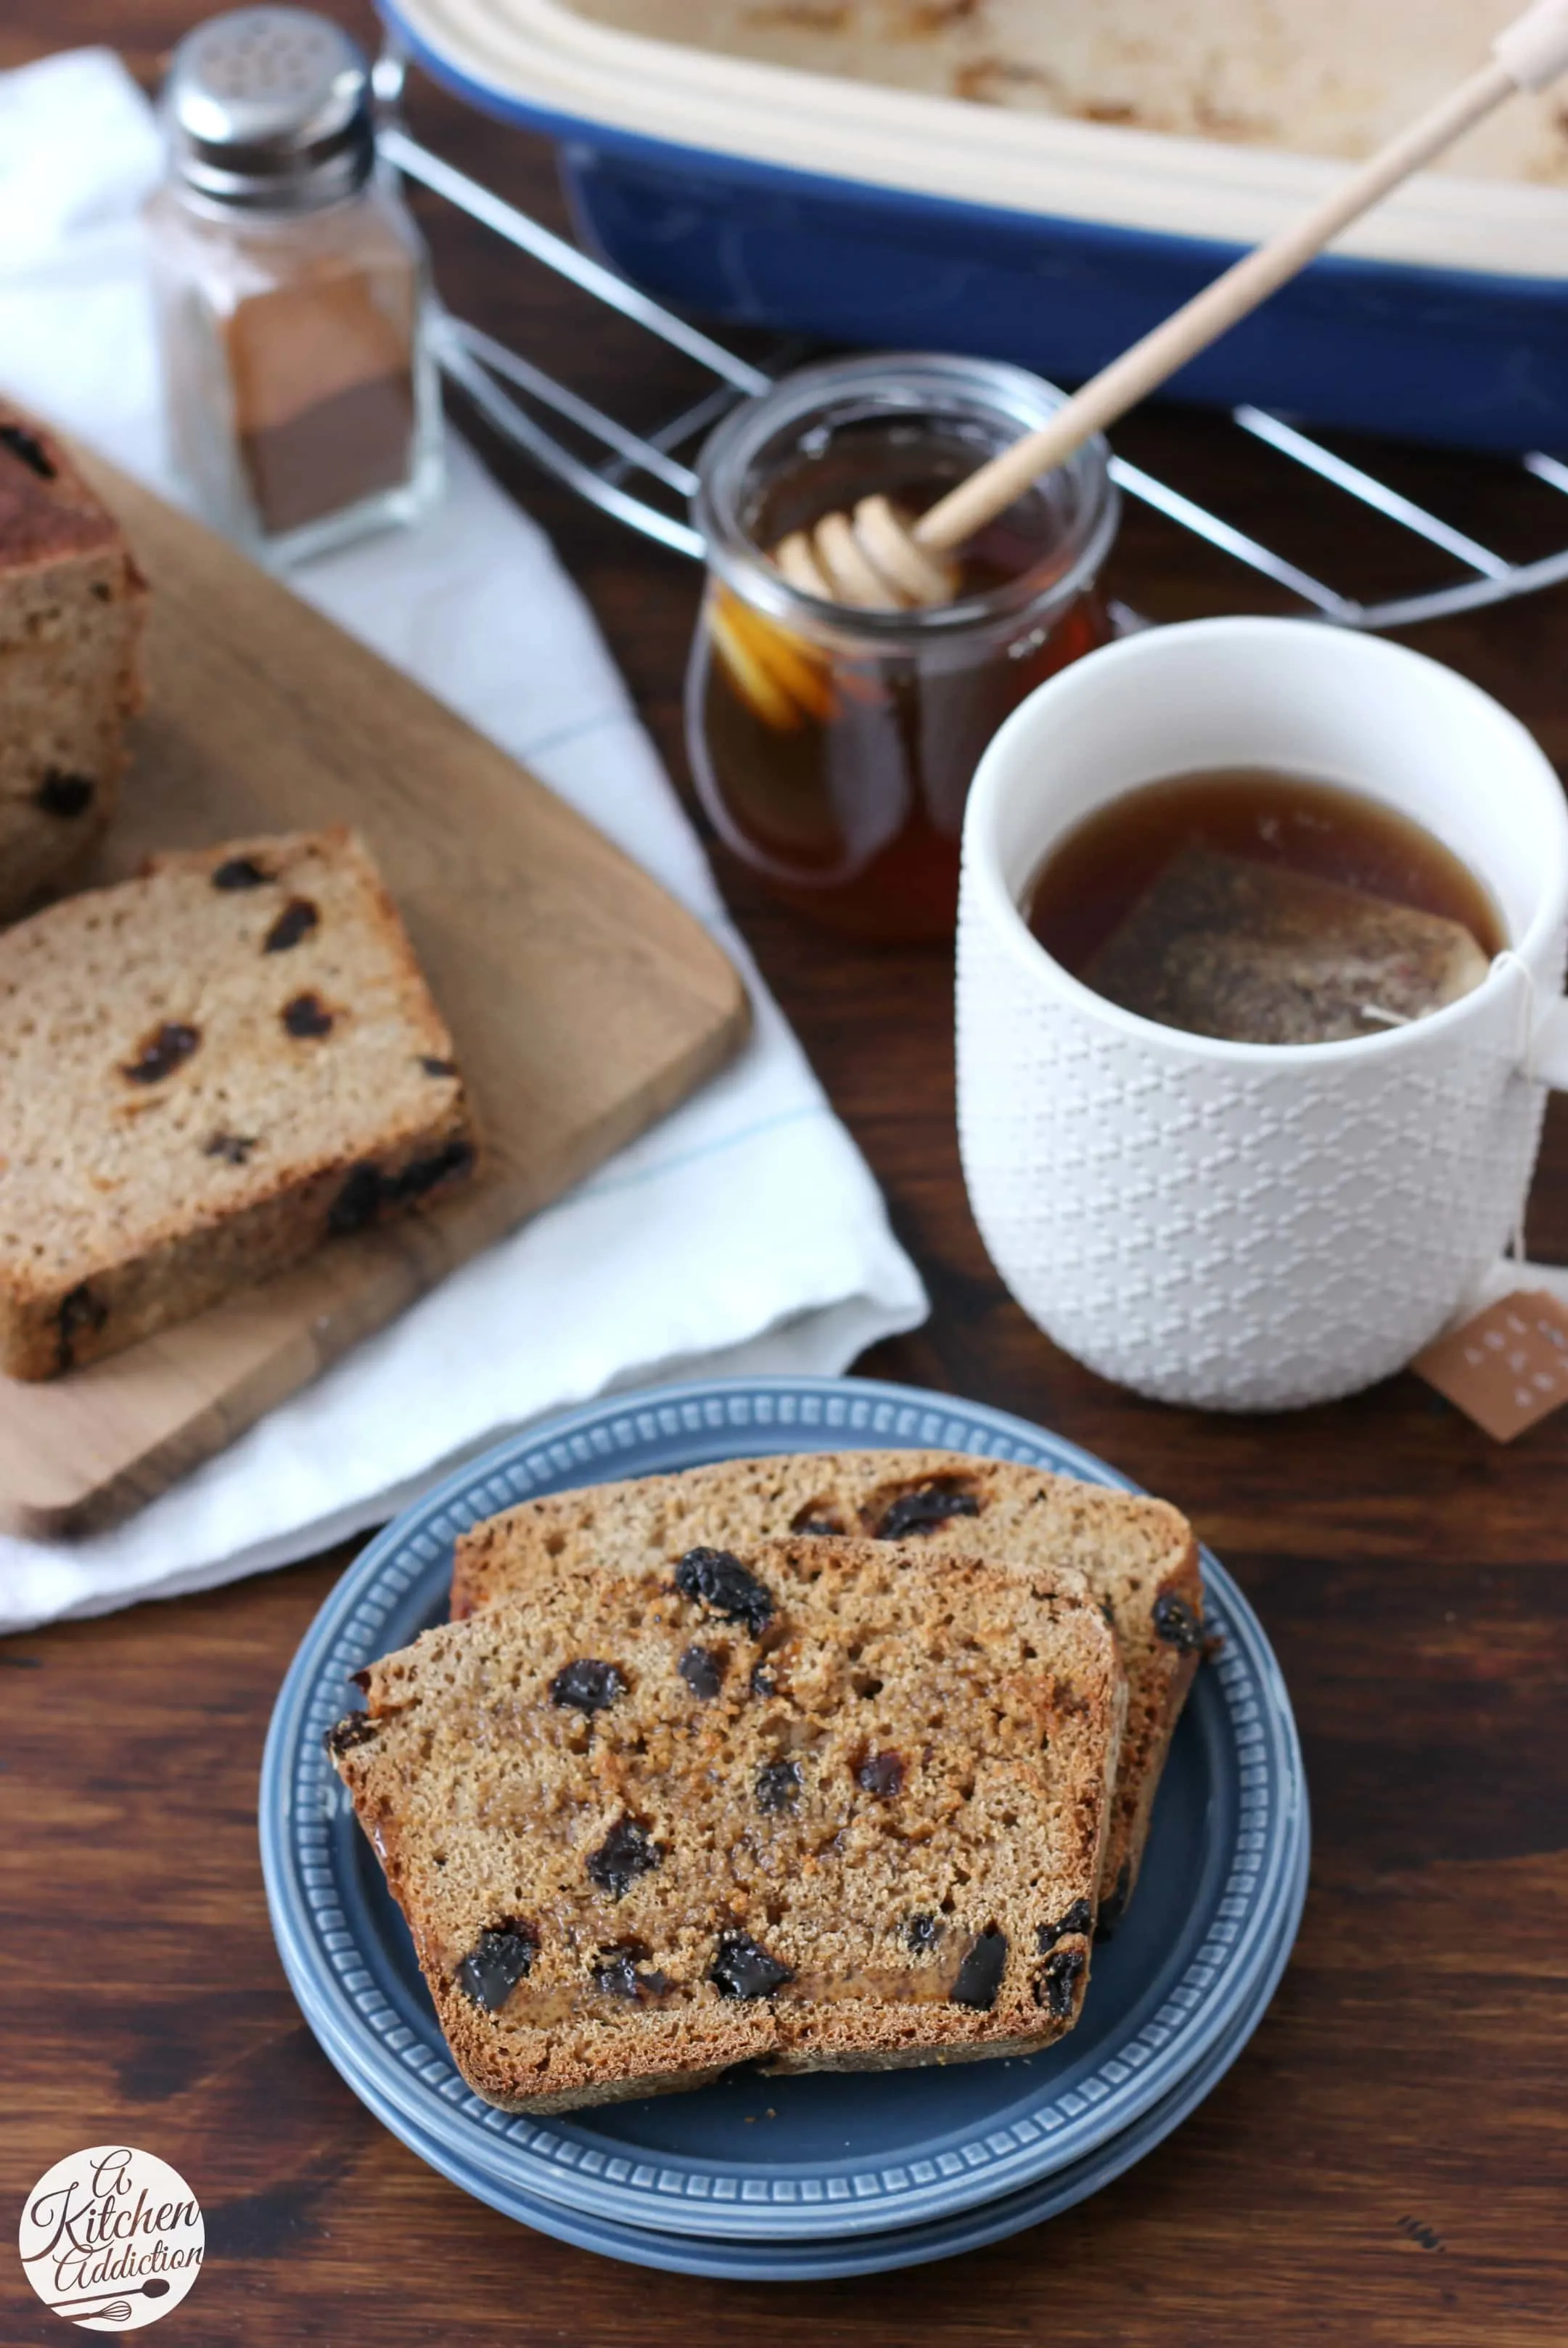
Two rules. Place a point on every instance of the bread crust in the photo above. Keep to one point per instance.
(1139, 1554)
(490, 1801)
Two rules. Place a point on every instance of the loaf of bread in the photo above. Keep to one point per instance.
(204, 1073)
(1138, 1555)
(71, 603)
(826, 1804)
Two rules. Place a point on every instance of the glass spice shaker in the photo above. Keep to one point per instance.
(290, 288)
(834, 748)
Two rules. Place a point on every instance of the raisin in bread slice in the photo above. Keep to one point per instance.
(71, 607)
(204, 1073)
(824, 1804)
(1138, 1555)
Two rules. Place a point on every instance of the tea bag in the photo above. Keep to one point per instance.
(1256, 953)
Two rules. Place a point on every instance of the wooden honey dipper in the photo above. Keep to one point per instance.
(879, 559)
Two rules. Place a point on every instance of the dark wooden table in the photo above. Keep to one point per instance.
(1389, 2160)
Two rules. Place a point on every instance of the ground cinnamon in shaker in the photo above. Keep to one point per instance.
(291, 286)
(323, 397)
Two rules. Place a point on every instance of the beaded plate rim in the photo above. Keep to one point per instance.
(830, 2258)
(559, 2161)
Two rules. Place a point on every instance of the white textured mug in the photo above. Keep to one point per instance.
(1245, 1226)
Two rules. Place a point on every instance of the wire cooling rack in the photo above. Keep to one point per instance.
(645, 479)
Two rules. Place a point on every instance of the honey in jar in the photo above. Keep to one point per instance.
(832, 747)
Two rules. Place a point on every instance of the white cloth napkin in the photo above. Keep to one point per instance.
(742, 1234)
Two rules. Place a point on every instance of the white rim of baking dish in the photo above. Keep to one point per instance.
(541, 55)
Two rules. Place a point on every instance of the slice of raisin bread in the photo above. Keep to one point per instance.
(71, 604)
(1138, 1555)
(827, 1804)
(204, 1073)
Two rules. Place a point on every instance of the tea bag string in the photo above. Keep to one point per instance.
(1530, 1005)
(1530, 1009)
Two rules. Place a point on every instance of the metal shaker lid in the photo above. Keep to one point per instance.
(269, 111)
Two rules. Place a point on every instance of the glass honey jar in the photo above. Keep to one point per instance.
(833, 747)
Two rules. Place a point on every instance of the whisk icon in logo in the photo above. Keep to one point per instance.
(111, 2239)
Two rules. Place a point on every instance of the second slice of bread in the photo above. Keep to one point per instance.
(1138, 1555)
(829, 1804)
(204, 1073)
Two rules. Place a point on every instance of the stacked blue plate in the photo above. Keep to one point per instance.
(835, 2174)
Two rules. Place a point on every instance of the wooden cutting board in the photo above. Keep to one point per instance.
(584, 1002)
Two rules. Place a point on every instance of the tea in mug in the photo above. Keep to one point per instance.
(1263, 907)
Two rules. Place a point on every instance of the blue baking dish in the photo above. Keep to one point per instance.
(1375, 340)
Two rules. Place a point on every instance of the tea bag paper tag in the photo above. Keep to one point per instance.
(1504, 1367)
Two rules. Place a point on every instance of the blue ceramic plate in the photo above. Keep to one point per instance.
(842, 2154)
(833, 2258)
